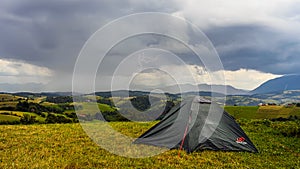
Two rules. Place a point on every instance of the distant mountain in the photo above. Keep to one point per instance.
(26, 87)
(227, 89)
(121, 93)
(48, 94)
(279, 97)
(129, 93)
(284, 83)
(55, 94)
(185, 88)
(26, 94)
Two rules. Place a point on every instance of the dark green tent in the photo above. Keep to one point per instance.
(197, 124)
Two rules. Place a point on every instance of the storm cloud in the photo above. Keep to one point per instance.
(48, 35)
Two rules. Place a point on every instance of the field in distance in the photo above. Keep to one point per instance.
(263, 112)
(61, 109)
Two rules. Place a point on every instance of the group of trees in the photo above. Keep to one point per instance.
(59, 99)
(50, 119)
(53, 118)
(106, 101)
(38, 109)
(66, 99)
(290, 118)
(52, 113)
(28, 119)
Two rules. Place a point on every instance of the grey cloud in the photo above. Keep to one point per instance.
(255, 47)
(48, 33)
(51, 34)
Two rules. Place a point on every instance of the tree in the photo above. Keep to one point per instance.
(22, 106)
(71, 115)
(28, 119)
(33, 109)
(141, 103)
(52, 118)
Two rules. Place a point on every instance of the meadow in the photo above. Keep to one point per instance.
(262, 112)
(67, 146)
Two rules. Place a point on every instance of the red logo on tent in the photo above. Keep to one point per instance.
(240, 140)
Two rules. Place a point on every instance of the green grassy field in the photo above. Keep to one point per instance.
(8, 97)
(67, 146)
(10, 103)
(19, 113)
(89, 108)
(8, 118)
(8, 100)
(262, 112)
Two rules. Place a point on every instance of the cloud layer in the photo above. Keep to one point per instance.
(256, 39)
(192, 74)
(20, 72)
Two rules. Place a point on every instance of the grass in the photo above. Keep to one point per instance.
(47, 104)
(67, 146)
(8, 118)
(8, 100)
(19, 113)
(8, 97)
(105, 107)
(247, 112)
(39, 99)
(89, 108)
(262, 112)
(8, 104)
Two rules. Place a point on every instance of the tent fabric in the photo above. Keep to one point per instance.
(198, 124)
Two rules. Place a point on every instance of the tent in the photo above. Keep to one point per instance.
(197, 124)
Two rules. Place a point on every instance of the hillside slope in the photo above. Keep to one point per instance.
(289, 82)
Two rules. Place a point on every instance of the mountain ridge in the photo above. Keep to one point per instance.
(287, 82)
(185, 88)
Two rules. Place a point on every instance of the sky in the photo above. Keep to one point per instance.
(40, 42)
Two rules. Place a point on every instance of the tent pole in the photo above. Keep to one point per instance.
(184, 135)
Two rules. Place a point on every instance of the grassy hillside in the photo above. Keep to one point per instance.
(88, 108)
(8, 104)
(13, 108)
(67, 146)
(8, 100)
(8, 118)
(9, 97)
(20, 114)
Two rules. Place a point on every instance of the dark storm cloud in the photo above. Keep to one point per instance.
(256, 47)
(48, 33)
(51, 33)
